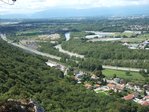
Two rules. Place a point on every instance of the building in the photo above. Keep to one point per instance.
(145, 103)
(129, 97)
(88, 86)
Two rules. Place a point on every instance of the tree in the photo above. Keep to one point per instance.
(144, 92)
(114, 76)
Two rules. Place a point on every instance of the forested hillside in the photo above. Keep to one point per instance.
(24, 76)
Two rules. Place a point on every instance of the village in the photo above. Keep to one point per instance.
(74, 56)
(97, 82)
(131, 91)
(125, 38)
(143, 45)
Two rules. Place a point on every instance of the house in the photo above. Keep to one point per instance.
(88, 86)
(117, 80)
(60, 67)
(129, 97)
(110, 81)
(146, 42)
(96, 85)
(99, 82)
(125, 44)
(94, 77)
(79, 77)
(51, 64)
(137, 88)
(56, 65)
(76, 72)
(134, 87)
(111, 86)
(130, 86)
(122, 81)
(116, 87)
(119, 87)
(147, 91)
(146, 87)
(146, 98)
(137, 100)
(102, 88)
(145, 103)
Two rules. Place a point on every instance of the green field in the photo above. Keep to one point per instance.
(124, 34)
(102, 93)
(131, 76)
(139, 38)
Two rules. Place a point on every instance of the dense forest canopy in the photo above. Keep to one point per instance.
(23, 75)
(109, 53)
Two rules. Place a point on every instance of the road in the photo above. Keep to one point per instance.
(104, 66)
(29, 49)
(121, 68)
(67, 52)
(59, 47)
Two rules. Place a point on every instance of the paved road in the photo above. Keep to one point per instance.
(121, 68)
(29, 49)
(59, 47)
(67, 52)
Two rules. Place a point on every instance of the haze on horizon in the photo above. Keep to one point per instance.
(51, 8)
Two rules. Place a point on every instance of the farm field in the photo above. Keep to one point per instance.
(133, 76)
(138, 39)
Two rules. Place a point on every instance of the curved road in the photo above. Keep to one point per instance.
(104, 66)
(68, 53)
(59, 47)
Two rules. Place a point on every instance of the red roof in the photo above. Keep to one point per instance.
(146, 97)
(88, 86)
(129, 97)
(145, 103)
(97, 85)
(111, 85)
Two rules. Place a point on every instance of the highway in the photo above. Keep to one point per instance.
(121, 68)
(67, 52)
(59, 47)
(29, 49)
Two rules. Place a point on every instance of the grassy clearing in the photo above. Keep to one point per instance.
(124, 34)
(78, 34)
(133, 76)
(103, 93)
(140, 38)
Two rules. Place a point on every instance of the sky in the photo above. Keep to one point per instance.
(30, 7)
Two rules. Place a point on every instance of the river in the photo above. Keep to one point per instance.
(59, 47)
(67, 52)
(67, 36)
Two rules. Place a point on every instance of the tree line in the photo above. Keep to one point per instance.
(25, 76)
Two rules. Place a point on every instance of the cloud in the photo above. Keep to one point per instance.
(32, 6)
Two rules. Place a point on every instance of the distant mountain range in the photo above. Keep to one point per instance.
(65, 12)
